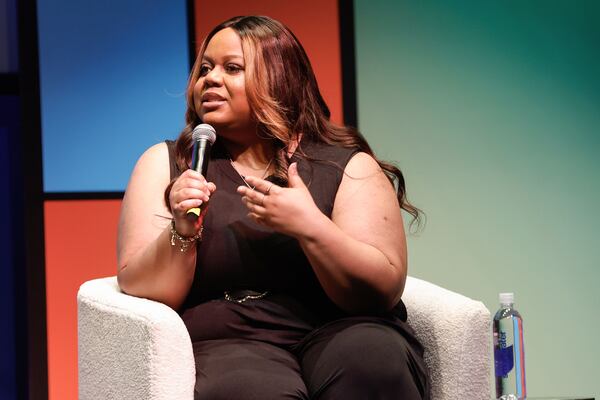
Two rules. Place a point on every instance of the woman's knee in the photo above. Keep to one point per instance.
(366, 359)
(370, 352)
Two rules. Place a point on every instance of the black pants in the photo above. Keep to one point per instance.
(344, 360)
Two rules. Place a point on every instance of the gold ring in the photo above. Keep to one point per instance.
(269, 188)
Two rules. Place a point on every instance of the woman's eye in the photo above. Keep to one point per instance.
(234, 68)
(204, 69)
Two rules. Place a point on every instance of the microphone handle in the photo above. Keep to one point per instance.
(200, 157)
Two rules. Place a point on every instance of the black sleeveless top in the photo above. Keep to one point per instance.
(237, 254)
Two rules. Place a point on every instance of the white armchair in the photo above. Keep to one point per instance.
(132, 348)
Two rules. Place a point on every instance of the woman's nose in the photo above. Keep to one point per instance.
(214, 76)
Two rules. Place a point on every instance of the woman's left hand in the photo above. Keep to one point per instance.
(290, 210)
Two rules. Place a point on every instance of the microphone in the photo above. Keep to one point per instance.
(203, 136)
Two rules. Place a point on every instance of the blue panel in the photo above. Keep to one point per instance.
(112, 82)
(8, 129)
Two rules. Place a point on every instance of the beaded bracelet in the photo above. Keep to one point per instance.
(184, 241)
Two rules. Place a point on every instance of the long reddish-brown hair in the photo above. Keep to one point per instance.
(285, 100)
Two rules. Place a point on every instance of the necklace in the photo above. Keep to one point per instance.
(244, 179)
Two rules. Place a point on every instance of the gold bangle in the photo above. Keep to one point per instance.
(184, 241)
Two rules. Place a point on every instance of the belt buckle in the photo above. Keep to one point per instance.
(240, 296)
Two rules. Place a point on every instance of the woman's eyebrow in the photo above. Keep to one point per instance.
(226, 57)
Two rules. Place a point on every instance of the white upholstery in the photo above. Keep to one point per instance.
(132, 348)
(456, 333)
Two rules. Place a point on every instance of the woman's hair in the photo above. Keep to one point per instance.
(284, 99)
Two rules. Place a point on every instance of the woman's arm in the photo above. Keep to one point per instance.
(148, 265)
(359, 255)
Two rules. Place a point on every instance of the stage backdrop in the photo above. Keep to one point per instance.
(112, 82)
(491, 110)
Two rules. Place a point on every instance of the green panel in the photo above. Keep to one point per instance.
(492, 111)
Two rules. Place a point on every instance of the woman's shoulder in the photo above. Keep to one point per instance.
(362, 164)
(149, 178)
(155, 154)
(152, 162)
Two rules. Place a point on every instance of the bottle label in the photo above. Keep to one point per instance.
(503, 356)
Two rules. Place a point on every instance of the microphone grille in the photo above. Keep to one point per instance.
(204, 131)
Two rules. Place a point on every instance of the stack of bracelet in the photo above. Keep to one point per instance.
(184, 241)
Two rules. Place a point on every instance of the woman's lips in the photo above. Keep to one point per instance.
(212, 100)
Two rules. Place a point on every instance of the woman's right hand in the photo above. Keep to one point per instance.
(190, 190)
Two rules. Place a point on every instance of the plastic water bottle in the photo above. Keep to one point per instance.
(509, 353)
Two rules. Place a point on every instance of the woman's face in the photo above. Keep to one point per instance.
(220, 92)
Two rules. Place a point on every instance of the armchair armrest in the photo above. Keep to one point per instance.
(131, 348)
(456, 333)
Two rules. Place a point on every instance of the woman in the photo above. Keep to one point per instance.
(290, 281)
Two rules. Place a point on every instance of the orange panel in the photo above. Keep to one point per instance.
(80, 240)
(314, 22)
